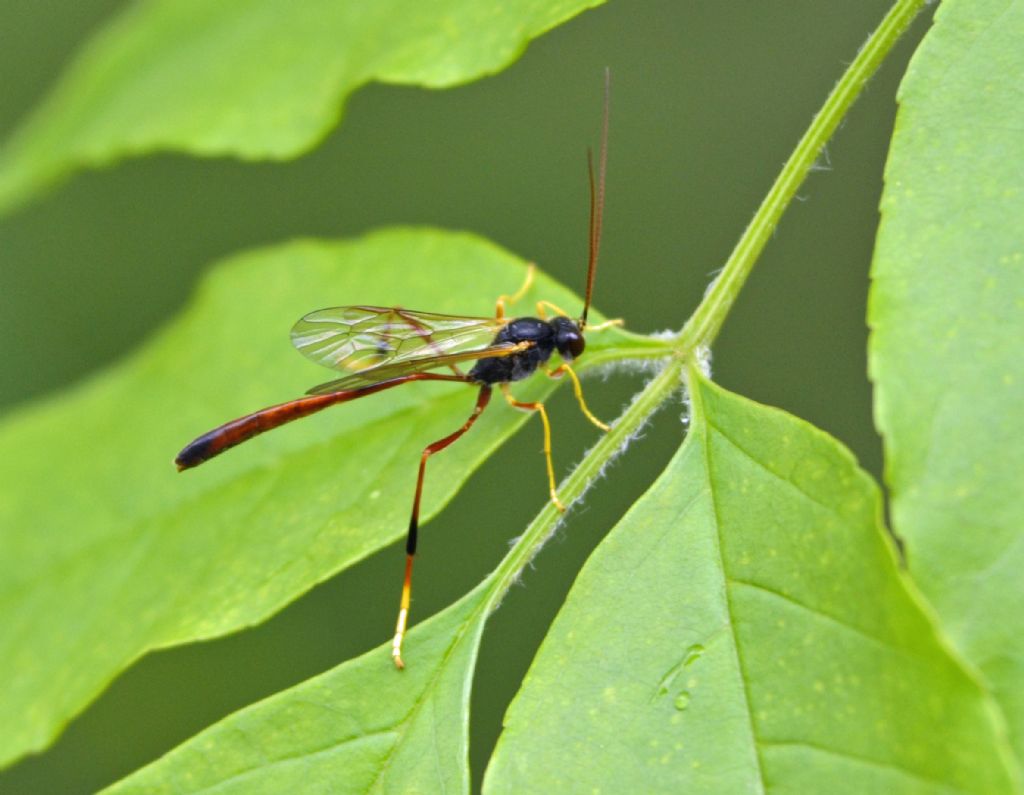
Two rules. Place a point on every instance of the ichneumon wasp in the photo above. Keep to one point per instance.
(383, 347)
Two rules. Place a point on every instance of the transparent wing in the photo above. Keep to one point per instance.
(356, 338)
(374, 343)
(383, 372)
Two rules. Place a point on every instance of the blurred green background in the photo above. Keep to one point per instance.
(708, 100)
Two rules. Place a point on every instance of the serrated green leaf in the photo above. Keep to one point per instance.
(745, 628)
(947, 313)
(94, 516)
(257, 80)
(361, 728)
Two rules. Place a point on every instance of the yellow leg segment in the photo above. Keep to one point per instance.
(403, 615)
(543, 306)
(607, 324)
(499, 311)
(539, 408)
(578, 391)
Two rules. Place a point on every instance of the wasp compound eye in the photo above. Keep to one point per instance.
(576, 345)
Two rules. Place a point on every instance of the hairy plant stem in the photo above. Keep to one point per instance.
(705, 323)
(572, 488)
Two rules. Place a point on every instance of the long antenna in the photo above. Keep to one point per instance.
(597, 197)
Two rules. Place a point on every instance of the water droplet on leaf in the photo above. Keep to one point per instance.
(682, 700)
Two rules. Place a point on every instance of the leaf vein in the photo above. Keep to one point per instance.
(863, 760)
(705, 424)
(815, 611)
(764, 467)
(284, 760)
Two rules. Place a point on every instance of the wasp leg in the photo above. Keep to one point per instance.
(410, 541)
(543, 306)
(607, 324)
(578, 391)
(539, 408)
(499, 311)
